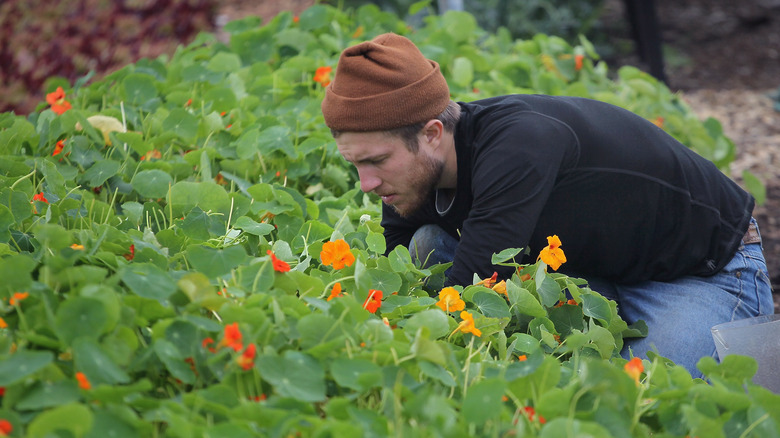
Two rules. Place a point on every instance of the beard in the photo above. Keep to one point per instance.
(422, 180)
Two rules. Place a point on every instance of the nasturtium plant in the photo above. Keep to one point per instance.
(200, 261)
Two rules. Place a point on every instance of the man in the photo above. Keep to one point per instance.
(645, 220)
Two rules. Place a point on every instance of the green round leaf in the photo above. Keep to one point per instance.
(215, 262)
(21, 364)
(80, 316)
(294, 375)
(148, 281)
(152, 184)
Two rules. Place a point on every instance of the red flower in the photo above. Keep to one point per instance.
(83, 381)
(531, 412)
(208, 341)
(58, 147)
(131, 254)
(57, 101)
(322, 75)
(374, 301)
(40, 197)
(279, 265)
(5, 427)
(2, 391)
(247, 358)
(232, 337)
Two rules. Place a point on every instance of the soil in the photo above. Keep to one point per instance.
(721, 56)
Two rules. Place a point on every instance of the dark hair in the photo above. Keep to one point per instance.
(449, 119)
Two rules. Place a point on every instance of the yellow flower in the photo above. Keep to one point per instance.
(467, 324)
(500, 287)
(552, 254)
(449, 300)
(77, 247)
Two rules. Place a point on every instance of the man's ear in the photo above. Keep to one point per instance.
(433, 132)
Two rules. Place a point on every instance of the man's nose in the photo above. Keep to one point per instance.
(368, 181)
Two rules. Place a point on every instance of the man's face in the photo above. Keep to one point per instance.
(402, 178)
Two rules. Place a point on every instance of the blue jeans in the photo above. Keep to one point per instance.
(679, 313)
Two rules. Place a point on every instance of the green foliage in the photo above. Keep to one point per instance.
(175, 263)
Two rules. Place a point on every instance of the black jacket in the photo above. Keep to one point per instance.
(628, 201)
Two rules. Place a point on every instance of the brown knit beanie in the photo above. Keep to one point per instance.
(383, 84)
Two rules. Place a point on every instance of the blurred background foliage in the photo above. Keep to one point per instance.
(523, 18)
(44, 43)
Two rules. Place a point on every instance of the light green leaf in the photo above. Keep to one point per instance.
(250, 226)
(209, 196)
(483, 401)
(181, 123)
(357, 374)
(491, 304)
(90, 359)
(75, 418)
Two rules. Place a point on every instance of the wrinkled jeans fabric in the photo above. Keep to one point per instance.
(679, 314)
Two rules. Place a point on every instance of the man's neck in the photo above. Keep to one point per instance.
(449, 177)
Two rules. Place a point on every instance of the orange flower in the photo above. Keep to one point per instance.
(57, 101)
(336, 292)
(131, 255)
(467, 324)
(337, 253)
(296, 19)
(5, 427)
(488, 282)
(58, 147)
(578, 62)
(247, 358)
(18, 296)
(3, 325)
(206, 342)
(552, 254)
(83, 381)
(232, 337)
(659, 122)
(522, 358)
(374, 300)
(40, 197)
(358, 32)
(279, 265)
(77, 247)
(449, 300)
(322, 75)
(634, 368)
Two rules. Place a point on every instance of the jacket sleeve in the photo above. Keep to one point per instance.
(514, 170)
